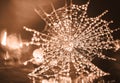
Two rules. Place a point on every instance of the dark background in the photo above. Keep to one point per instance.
(14, 14)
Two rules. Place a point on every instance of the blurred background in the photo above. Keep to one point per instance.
(14, 14)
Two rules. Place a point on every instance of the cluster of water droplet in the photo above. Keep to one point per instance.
(70, 41)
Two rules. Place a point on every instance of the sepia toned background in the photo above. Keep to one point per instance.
(14, 14)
